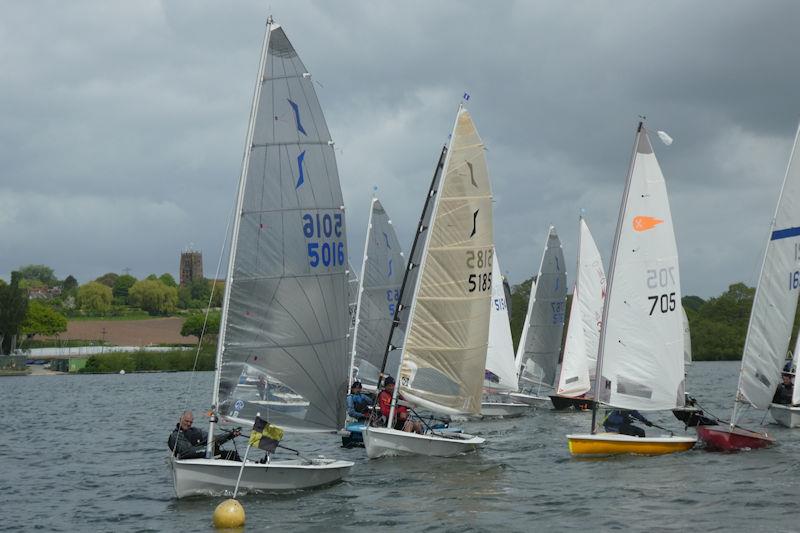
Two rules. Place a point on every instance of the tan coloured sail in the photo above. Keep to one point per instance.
(445, 348)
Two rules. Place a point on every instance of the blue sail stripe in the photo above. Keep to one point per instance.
(785, 233)
(296, 109)
(300, 159)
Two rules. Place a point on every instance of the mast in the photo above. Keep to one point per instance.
(410, 265)
(610, 280)
(235, 240)
(361, 290)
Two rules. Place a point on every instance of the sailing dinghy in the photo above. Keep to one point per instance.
(378, 292)
(576, 378)
(640, 358)
(444, 303)
(771, 318)
(540, 342)
(285, 312)
(500, 376)
(789, 415)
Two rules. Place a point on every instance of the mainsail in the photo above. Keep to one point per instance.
(501, 372)
(379, 292)
(586, 314)
(444, 352)
(640, 362)
(283, 340)
(775, 301)
(540, 342)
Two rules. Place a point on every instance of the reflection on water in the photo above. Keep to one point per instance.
(88, 453)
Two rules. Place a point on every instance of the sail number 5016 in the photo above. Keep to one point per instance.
(665, 302)
(322, 228)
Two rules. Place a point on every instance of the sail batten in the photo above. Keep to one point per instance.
(284, 335)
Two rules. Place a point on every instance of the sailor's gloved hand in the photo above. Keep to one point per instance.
(648, 423)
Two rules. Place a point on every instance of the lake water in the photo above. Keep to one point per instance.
(88, 453)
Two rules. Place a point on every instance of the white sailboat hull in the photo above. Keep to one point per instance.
(785, 415)
(530, 399)
(215, 477)
(383, 442)
(503, 409)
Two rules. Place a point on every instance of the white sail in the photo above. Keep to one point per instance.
(379, 291)
(640, 362)
(285, 315)
(501, 372)
(687, 339)
(586, 314)
(540, 343)
(775, 301)
(444, 352)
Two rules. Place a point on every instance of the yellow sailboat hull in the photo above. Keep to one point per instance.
(616, 444)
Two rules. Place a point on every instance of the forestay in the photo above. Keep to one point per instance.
(640, 363)
(501, 372)
(379, 292)
(444, 353)
(775, 301)
(286, 309)
(540, 343)
(586, 315)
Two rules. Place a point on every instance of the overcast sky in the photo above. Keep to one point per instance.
(122, 123)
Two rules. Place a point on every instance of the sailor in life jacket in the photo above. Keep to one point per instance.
(358, 403)
(621, 421)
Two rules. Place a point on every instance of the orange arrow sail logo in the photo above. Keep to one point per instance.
(644, 223)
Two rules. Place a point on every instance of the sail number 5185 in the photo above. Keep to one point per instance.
(480, 260)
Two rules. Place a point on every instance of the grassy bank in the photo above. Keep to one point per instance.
(173, 361)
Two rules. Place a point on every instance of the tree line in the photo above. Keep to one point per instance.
(35, 302)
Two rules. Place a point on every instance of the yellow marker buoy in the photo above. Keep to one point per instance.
(228, 514)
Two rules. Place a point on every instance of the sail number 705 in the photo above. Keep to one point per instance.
(665, 302)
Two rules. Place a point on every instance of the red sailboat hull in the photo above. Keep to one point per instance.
(725, 439)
